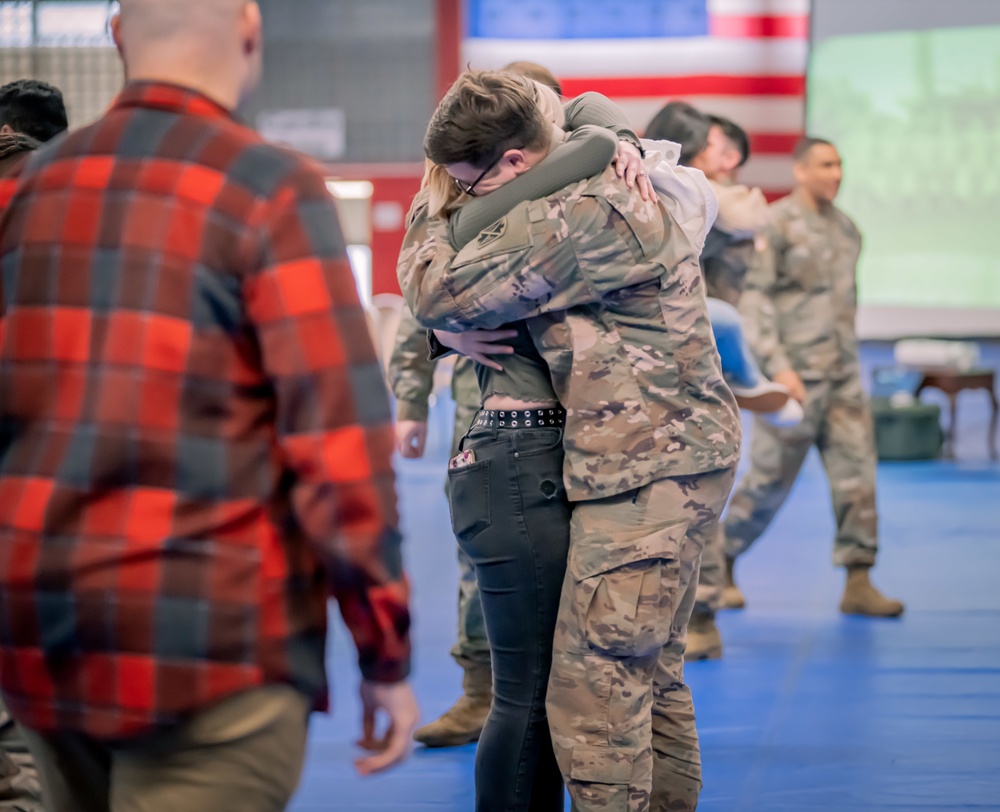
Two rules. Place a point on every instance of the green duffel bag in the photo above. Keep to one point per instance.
(910, 432)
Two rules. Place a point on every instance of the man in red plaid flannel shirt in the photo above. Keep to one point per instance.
(195, 444)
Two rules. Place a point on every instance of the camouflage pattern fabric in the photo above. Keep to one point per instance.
(20, 788)
(731, 249)
(472, 645)
(625, 605)
(614, 301)
(800, 302)
(838, 423)
(724, 263)
(411, 374)
(799, 310)
(411, 378)
(732, 244)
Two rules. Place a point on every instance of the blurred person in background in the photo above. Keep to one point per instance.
(19, 786)
(14, 148)
(411, 378)
(32, 108)
(800, 305)
(195, 445)
(718, 147)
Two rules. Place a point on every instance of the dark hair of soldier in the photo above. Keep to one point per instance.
(33, 108)
(683, 124)
(735, 134)
(484, 114)
(805, 145)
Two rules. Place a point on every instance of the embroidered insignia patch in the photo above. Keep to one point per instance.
(492, 233)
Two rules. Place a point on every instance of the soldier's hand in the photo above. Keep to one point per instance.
(411, 437)
(789, 378)
(479, 345)
(397, 702)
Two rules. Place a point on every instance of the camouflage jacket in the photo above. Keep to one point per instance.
(614, 301)
(411, 373)
(800, 302)
(731, 246)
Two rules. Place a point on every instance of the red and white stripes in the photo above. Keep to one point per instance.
(751, 68)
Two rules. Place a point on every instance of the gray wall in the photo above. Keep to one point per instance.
(373, 59)
(832, 18)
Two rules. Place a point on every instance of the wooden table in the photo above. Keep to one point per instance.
(953, 381)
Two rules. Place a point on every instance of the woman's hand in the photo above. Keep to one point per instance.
(479, 345)
(628, 165)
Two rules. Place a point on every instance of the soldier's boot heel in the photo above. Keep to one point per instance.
(463, 722)
(732, 596)
(862, 598)
(703, 639)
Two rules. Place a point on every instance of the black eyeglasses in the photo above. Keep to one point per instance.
(470, 188)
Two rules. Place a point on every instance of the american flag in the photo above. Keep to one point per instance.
(746, 61)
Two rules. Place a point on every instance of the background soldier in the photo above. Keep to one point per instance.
(718, 147)
(799, 305)
(33, 108)
(30, 112)
(411, 376)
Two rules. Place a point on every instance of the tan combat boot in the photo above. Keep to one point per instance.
(703, 639)
(862, 598)
(462, 722)
(732, 597)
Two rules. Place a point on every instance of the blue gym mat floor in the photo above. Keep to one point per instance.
(808, 710)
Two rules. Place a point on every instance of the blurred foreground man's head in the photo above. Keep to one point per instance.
(818, 171)
(213, 46)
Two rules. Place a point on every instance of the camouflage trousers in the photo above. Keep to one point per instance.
(838, 423)
(622, 719)
(472, 644)
(20, 789)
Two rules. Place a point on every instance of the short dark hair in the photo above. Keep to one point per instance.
(683, 124)
(484, 114)
(735, 134)
(33, 108)
(806, 143)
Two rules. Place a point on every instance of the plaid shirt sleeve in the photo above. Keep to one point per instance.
(333, 419)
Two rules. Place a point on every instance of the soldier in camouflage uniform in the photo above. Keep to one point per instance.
(799, 307)
(411, 375)
(20, 788)
(718, 147)
(613, 298)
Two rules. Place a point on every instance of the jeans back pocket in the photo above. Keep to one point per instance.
(469, 499)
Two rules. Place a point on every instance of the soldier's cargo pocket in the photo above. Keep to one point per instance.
(628, 595)
(607, 771)
(469, 499)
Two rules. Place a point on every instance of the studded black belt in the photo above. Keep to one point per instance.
(521, 418)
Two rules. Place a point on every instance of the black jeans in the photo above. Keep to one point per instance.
(511, 517)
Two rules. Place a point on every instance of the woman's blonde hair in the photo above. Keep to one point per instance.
(549, 104)
(442, 194)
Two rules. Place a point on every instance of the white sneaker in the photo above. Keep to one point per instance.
(791, 414)
(766, 396)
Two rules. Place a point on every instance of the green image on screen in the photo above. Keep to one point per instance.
(916, 117)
